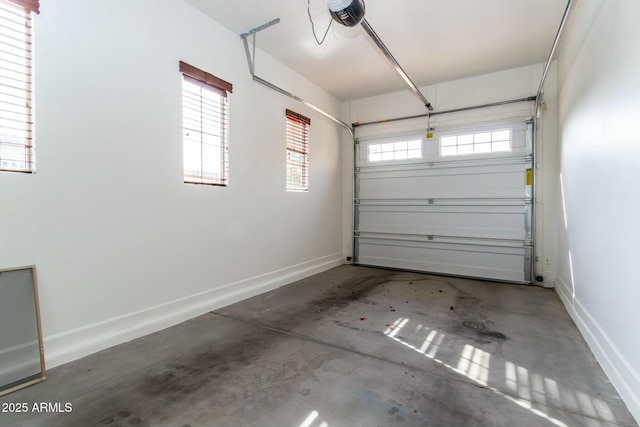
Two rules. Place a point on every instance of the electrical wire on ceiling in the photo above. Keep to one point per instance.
(313, 28)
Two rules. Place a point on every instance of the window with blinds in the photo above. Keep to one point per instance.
(16, 93)
(205, 122)
(297, 151)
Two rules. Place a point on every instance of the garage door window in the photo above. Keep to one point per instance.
(495, 141)
(398, 150)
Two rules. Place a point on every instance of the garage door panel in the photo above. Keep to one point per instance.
(453, 206)
(494, 184)
(499, 263)
(487, 183)
(448, 167)
(374, 174)
(406, 190)
(498, 225)
(431, 152)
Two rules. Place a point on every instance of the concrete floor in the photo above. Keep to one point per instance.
(353, 346)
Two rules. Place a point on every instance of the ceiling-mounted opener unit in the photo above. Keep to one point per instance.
(350, 13)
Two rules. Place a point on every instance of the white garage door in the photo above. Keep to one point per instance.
(455, 202)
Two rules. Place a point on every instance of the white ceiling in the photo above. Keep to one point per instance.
(433, 40)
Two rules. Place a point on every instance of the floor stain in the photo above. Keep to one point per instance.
(305, 392)
(498, 336)
(478, 326)
(356, 289)
(346, 325)
(123, 419)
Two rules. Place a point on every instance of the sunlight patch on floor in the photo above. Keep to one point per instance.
(527, 388)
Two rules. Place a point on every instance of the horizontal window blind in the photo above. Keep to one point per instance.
(297, 151)
(205, 128)
(16, 95)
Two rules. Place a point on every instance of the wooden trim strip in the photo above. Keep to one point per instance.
(30, 5)
(204, 77)
(298, 116)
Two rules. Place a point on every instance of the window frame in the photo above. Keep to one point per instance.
(205, 100)
(297, 127)
(17, 126)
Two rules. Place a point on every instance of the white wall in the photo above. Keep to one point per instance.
(599, 106)
(500, 86)
(122, 246)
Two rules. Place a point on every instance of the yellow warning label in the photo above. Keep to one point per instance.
(529, 177)
(429, 135)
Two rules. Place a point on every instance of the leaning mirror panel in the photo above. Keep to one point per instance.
(21, 350)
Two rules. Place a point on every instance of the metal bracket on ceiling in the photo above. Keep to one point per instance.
(251, 61)
(252, 58)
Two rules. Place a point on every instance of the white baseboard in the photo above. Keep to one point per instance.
(621, 373)
(74, 344)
